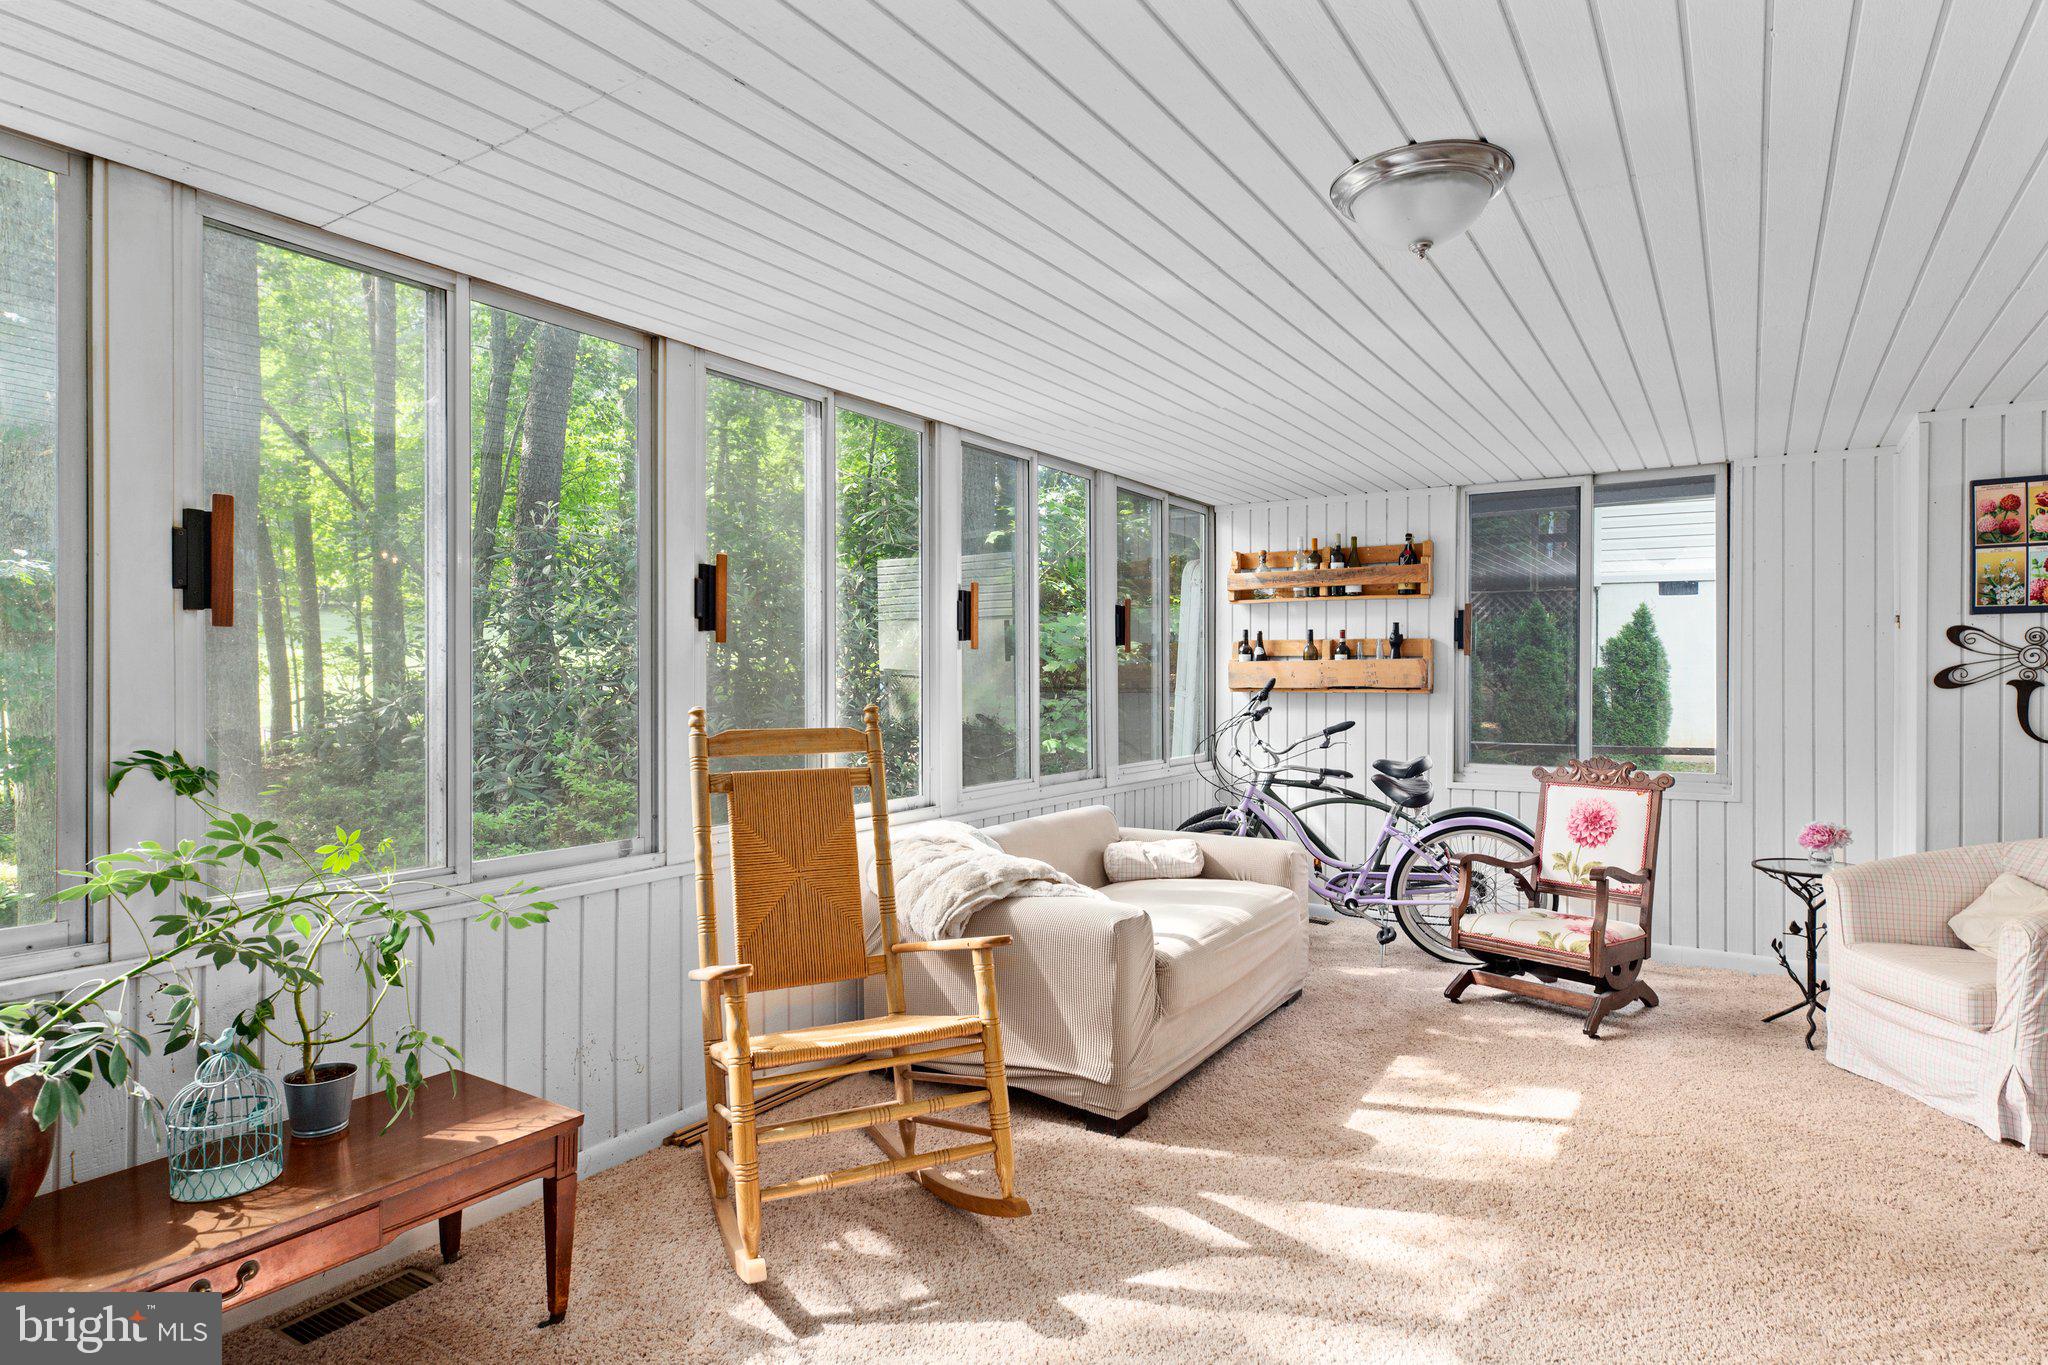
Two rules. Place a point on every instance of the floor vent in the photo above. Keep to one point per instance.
(332, 1317)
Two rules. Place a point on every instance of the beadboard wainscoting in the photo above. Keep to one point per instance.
(1814, 650)
(593, 1010)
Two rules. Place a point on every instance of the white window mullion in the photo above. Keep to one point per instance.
(455, 689)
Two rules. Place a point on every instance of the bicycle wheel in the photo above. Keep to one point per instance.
(1424, 882)
(1223, 824)
(1200, 818)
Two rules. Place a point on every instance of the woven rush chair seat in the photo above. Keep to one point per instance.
(855, 1035)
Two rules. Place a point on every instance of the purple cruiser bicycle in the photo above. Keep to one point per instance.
(1410, 876)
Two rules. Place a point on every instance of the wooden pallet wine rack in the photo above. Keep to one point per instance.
(1379, 576)
(1414, 671)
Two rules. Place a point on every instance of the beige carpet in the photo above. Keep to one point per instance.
(1373, 1173)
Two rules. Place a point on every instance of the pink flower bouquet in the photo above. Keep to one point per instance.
(1820, 840)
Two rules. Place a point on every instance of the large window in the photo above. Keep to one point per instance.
(42, 630)
(1597, 618)
(879, 585)
(758, 443)
(322, 417)
(1140, 670)
(1065, 706)
(1190, 654)
(995, 688)
(556, 433)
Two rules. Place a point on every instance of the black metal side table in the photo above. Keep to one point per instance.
(1801, 876)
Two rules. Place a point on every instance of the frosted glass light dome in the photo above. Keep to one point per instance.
(1424, 193)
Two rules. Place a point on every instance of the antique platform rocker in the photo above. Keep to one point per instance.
(1589, 812)
(797, 922)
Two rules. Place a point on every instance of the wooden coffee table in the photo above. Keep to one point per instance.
(338, 1199)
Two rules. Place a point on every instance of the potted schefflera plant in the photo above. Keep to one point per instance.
(245, 895)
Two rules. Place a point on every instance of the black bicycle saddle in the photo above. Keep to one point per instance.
(1408, 793)
(1414, 767)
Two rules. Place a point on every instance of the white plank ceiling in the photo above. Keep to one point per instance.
(1098, 227)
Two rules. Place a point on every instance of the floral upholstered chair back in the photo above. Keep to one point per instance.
(1595, 812)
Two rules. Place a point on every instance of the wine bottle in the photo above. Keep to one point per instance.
(1263, 566)
(1353, 561)
(1395, 640)
(1309, 650)
(1244, 647)
(1409, 555)
(1259, 649)
(1312, 558)
(1342, 649)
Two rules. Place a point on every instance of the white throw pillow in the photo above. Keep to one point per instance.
(2006, 899)
(1143, 860)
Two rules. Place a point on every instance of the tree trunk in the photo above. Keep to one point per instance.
(276, 652)
(387, 598)
(536, 527)
(509, 335)
(313, 668)
(232, 363)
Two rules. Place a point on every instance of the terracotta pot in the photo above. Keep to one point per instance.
(24, 1148)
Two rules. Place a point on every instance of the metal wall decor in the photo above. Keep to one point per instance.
(1996, 658)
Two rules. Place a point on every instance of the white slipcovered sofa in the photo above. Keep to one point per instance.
(1913, 1007)
(1105, 1003)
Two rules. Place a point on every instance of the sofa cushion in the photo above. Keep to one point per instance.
(1206, 934)
(1955, 984)
(1144, 860)
(2009, 897)
(1071, 840)
(1543, 929)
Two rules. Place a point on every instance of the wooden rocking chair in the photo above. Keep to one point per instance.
(797, 919)
(1589, 811)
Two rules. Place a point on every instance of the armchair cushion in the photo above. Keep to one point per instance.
(1955, 984)
(2008, 897)
(1544, 929)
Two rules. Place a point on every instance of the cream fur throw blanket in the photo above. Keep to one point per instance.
(945, 871)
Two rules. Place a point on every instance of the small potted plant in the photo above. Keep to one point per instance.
(1823, 842)
(243, 895)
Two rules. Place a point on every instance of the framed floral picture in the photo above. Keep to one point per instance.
(2007, 544)
(1585, 827)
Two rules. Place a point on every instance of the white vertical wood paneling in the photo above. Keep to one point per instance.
(1982, 780)
(1812, 640)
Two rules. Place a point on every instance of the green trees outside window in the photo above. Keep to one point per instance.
(880, 584)
(555, 551)
(1064, 724)
(1632, 687)
(29, 346)
(322, 417)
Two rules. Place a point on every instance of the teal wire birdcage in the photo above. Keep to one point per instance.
(226, 1128)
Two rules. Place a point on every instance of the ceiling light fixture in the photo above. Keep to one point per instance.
(1424, 193)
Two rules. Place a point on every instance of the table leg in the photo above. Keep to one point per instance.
(558, 1219)
(451, 1236)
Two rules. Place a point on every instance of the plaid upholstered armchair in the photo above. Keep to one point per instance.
(1914, 1008)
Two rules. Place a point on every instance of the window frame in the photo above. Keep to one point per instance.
(927, 632)
(645, 844)
(994, 793)
(1205, 687)
(78, 933)
(1509, 777)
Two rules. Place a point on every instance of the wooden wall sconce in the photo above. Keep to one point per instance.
(710, 593)
(203, 559)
